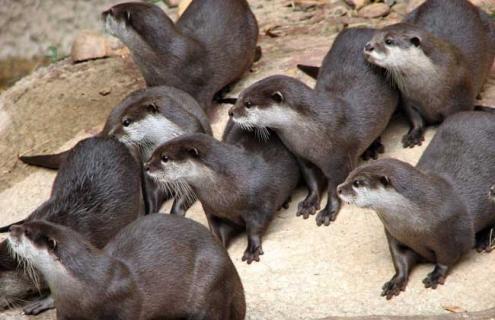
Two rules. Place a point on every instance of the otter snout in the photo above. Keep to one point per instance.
(16, 231)
(369, 47)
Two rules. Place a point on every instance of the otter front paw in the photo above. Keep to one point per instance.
(415, 137)
(39, 306)
(325, 216)
(394, 287)
(434, 279)
(373, 151)
(307, 207)
(252, 254)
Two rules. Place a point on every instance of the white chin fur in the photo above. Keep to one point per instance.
(150, 132)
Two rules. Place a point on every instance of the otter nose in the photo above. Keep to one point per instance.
(16, 230)
(147, 167)
(231, 113)
(369, 47)
(107, 12)
(339, 189)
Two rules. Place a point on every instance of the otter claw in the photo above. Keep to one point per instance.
(324, 217)
(252, 255)
(307, 208)
(413, 138)
(394, 287)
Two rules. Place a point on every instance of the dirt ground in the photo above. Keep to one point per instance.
(307, 272)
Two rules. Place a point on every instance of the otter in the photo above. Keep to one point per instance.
(96, 192)
(328, 127)
(158, 267)
(211, 46)
(142, 121)
(251, 180)
(438, 210)
(439, 57)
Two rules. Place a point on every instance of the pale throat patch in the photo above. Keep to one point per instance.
(33, 259)
(150, 132)
(274, 116)
(408, 67)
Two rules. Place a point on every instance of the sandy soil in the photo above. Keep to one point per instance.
(307, 272)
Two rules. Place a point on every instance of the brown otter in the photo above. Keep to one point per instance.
(251, 180)
(439, 58)
(142, 121)
(447, 188)
(211, 46)
(328, 127)
(158, 267)
(97, 192)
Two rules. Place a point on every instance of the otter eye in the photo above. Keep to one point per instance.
(357, 183)
(248, 104)
(27, 233)
(164, 158)
(126, 122)
(389, 42)
(52, 244)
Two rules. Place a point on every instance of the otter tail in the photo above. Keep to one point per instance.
(7, 228)
(309, 70)
(49, 161)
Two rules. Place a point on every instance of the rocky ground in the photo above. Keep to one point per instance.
(307, 272)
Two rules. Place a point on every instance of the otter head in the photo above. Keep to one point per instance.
(135, 22)
(181, 161)
(35, 243)
(15, 285)
(395, 47)
(366, 189)
(138, 121)
(269, 103)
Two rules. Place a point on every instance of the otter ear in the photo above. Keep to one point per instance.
(416, 41)
(278, 97)
(194, 152)
(152, 108)
(385, 181)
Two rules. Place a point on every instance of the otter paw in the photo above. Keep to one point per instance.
(324, 217)
(286, 204)
(251, 255)
(39, 306)
(307, 208)
(394, 287)
(433, 280)
(373, 151)
(413, 138)
(485, 241)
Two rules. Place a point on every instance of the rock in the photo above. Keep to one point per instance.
(400, 8)
(374, 10)
(413, 4)
(338, 11)
(357, 4)
(88, 45)
(183, 6)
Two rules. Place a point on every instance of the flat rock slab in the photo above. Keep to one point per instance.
(307, 272)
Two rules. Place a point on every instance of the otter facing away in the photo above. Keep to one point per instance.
(211, 46)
